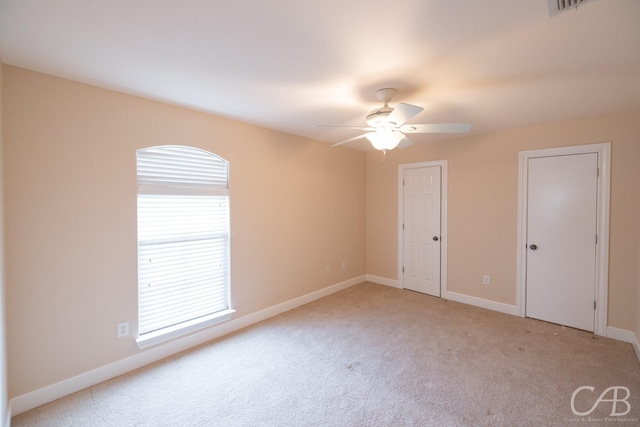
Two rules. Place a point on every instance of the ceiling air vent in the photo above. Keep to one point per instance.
(557, 6)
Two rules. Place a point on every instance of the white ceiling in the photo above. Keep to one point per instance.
(292, 64)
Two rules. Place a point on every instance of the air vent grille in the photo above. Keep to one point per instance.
(557, 6)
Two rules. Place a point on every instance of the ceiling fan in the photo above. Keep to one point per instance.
(387, 125)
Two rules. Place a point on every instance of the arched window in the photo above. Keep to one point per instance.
(183, 241)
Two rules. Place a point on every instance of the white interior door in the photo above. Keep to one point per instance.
(561, 239)
(421, 234)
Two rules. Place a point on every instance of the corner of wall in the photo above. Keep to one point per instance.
(382, 281)
(5, 412)
(625, 336)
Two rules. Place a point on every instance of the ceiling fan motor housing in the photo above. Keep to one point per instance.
(379, 117)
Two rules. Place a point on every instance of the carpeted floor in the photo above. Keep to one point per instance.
(372, 356)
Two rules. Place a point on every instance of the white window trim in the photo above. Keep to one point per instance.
(167, 334)
(190, 326)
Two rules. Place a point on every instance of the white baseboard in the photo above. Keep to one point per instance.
(7, 421)
(480, 302)
(453, 296)
(615, 333)
(626, 336)
(63, 388)
(383, 281)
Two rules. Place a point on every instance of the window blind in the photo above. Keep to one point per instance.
(178, 166)
(183, 236)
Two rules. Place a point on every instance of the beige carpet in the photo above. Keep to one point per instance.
(371, 356)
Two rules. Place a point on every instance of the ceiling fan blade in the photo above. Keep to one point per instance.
(405, 142)
(436, 128)
(349, 140)
(402, 113)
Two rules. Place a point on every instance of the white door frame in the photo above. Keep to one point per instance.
(602, 249)
(443, 219)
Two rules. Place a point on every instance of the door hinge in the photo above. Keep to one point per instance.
(598, 169)
(594, 305)
(403, 182)
(403, 226)
(596, 239)
(403, 270)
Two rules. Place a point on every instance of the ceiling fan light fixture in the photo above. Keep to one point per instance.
(385, 140)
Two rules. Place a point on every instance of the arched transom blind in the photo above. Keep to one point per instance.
(182, 167)
(183, 236)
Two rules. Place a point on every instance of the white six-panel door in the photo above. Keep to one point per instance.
(421, 233)
(561, 239)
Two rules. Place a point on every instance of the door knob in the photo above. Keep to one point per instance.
(435, 238)
(533, 247)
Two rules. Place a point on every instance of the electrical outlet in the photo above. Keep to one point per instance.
(123, 329)
(327, 270)
(343, 265)
(486, 280)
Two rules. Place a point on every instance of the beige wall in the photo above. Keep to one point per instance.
(4, 401)
(637, 329)
(483, 207)
(70, 196)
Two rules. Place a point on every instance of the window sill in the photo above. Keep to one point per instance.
(172, 332)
